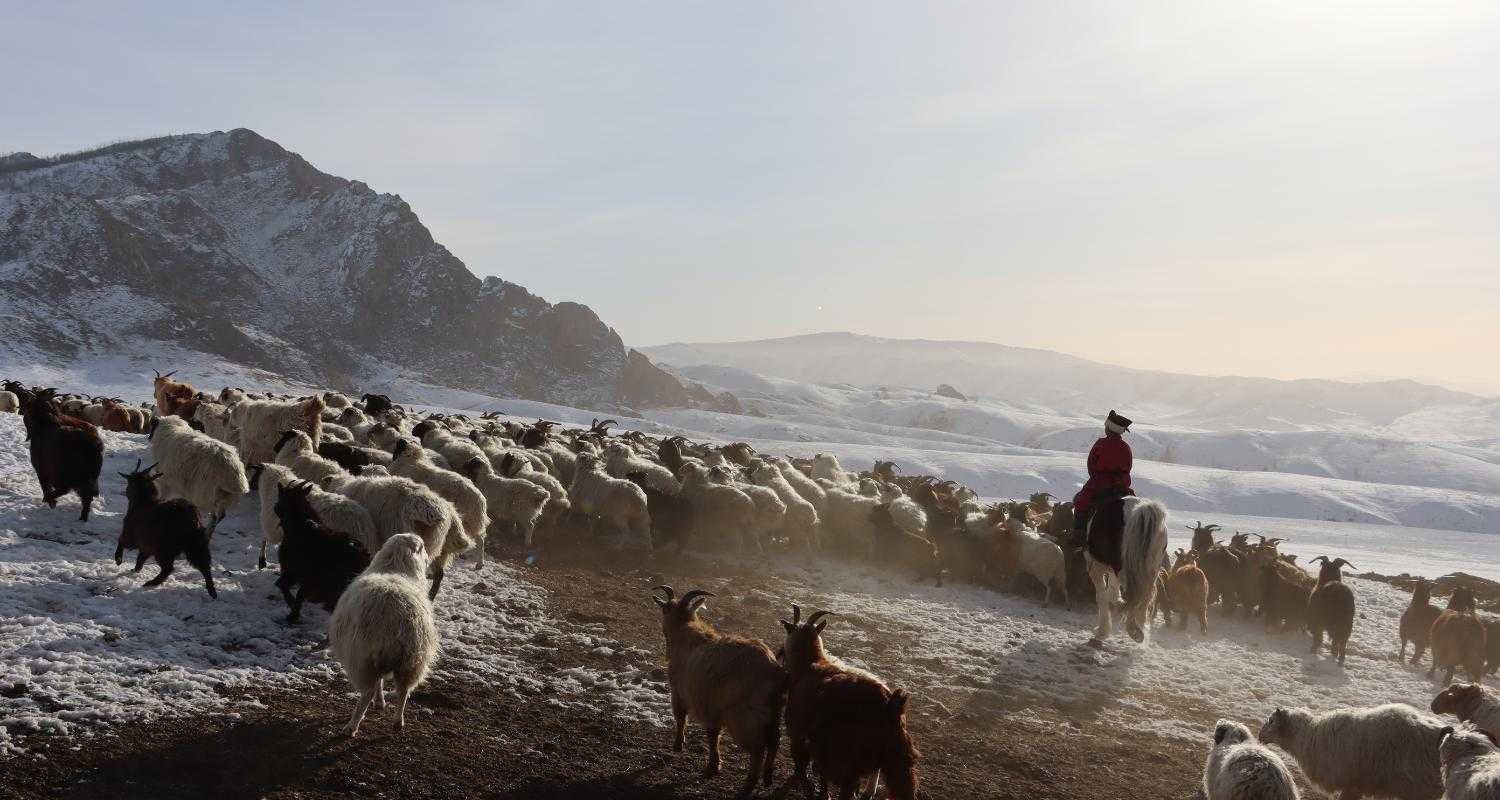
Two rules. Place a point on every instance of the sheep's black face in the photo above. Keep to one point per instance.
(1227, 732)
(286, 436)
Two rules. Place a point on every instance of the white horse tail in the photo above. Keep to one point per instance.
(1143, 552)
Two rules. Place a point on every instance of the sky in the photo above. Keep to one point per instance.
(1289, 189)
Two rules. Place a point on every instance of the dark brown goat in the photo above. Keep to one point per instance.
(66, 452)
(1285, 589)
(1330, 608)
(1416, 621)
(849, 723)
(162, 530)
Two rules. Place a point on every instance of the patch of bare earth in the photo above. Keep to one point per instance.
(466, 739)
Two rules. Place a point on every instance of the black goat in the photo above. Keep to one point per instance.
(162, 529)
(66, 452)
(319, 562)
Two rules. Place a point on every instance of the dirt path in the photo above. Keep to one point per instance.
(466, 739)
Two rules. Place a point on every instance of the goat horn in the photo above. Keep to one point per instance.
(1344, 563)
(688, 598)
(170, 374)
(1323, 559)
(148, 469)
(137, 466)
(817, 615)
(796, 613)
(666, 590)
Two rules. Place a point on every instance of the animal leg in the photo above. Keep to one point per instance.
(1317, 640)
(296, 603)
(714, 735)
(437, 581)
(757, 761)
(166, 569)
(120, 552)
(679, 713)
(380, 694)
(1102, 600)
(352, 729)
(403, 693)
(261, 564)
(1203, 618)
(87, 501)
(140, 561)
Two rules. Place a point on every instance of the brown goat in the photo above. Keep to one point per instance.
(847, 721)
(1284, 589)
(1416, 621)
(170, 394)
(1458, 638)
(1186, 591)
(722, 682)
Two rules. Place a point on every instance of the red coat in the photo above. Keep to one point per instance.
(1109, 468)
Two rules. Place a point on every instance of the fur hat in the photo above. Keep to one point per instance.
(1116, 423)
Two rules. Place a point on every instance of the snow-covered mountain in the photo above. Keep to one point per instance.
(1054, 383)
(230, 246)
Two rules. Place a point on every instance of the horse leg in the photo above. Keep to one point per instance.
(1103, 599)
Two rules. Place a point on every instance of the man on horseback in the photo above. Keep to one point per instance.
(1109, 476)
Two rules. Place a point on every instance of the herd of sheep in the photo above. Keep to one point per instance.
(369, 503)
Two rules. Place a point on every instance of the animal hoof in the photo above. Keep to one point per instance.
(1136, 634)
(261, 564)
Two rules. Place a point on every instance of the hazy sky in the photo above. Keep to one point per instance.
(1294, 188)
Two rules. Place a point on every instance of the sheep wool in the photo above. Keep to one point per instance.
(198, 468)
(261, 423)
(1385, 751)
(383, 626)
(1240, 768)
(1471, 765)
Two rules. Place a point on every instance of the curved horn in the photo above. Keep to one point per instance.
(1339, 562)
(688, 598)
(796, 613)
(1323, 559)
(817, 615)
(666, 590)
(170, 374)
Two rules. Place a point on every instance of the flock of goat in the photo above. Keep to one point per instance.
(369, 503)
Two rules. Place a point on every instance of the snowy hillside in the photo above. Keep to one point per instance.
(227, 244)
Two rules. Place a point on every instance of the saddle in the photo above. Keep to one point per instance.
(1107, 531)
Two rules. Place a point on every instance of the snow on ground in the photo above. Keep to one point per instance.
(1016, 657)
(82, 643)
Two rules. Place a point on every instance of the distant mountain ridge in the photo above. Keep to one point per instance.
(1056, 382)
(228, 244)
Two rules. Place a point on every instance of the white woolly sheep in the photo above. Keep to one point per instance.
(261, 423)
(1385, 751)
(295, 451)
(1025, 552)
(847, 524)
(9, 403)
(519, 502)
(1471, 764)
(1470, 702)
(383, 626)
(399, 505)
(198, 468)
(770, 512)
(905, 512)
(1240, 768)
(411, 461)
(620, 503)
(805, 486)
(826, 466)
(801, 525)
(718, 509)
(214, 417)
(620, 460)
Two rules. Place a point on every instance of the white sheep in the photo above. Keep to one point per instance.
(805, 486)
(848, 520)
(620, 460)
(9, 403)
(383, 626)
(905, 512)
(1385, 751)
(1035, 555)
(336, 401)
(334, 432)
(826, 466)
(620, 503)
(456, 451)
(1240, 768)
(770, 512)
(295, 451)
(1471, 765)
(801, 525)
(1470, 702)
(410, 460)
(398, 505)
(335, 511)
(356, 423)
(198, 468)
(231, 397)
(718, 508)
(519, 502)
(261, 423)
(214, 417)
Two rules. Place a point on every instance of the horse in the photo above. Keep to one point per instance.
(1127, 547)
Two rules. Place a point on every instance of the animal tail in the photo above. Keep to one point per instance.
(1142, 554)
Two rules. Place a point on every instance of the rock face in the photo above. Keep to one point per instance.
(230, 245)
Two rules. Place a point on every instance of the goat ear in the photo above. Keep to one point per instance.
(789, 626)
